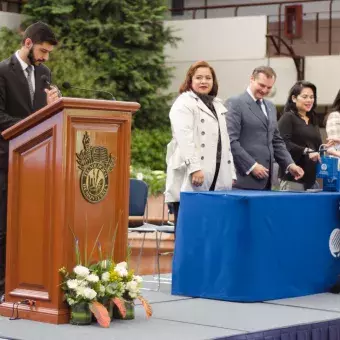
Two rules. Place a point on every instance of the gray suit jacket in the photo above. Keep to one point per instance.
(254, 138)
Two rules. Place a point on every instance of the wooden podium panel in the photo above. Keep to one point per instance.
(111, 212)
(68, 174)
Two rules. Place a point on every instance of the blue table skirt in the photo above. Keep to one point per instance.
(255, 245)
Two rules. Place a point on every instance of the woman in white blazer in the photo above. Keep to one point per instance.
(198, 156)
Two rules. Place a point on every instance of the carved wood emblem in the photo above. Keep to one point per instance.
(95, 164)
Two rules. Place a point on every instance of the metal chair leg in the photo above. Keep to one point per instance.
(140, 254)
(156, 272)
(157, 266)
(158, 241)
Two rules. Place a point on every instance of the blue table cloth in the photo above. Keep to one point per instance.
(255, 245)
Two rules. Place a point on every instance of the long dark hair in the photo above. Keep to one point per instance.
(336, 103)
(335, 107)
(297, 88)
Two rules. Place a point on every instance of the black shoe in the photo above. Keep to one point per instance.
(335, 289)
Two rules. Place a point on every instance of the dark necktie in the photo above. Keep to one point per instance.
(259, 103)
(29, 71)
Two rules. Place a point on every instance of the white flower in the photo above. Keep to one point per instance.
(139, 176)
(106, 276)
(121, 271)
(102, 289)
(122, 264)
(89, 293)
(81, 271)
(82, 283)
(132, 286)
(133, 295)
(72, 284)
(92, 278)
(80, 291)
(70, 301)
(138, 278)
(133, 289)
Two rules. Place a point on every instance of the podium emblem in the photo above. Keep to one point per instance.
(95, 164)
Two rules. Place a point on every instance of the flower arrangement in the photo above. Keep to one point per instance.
(82, 292)
(99, 285)
(129, 286)
(80, 285)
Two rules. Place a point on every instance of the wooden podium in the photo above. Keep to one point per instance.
(68, 173)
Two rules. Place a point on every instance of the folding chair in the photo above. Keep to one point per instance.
(167, 228)
(138, 207)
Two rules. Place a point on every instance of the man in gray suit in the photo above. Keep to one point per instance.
(254, 137)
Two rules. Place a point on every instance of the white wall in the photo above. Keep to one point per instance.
(219, 39)
(234, 56)
(324, 72)
(10, 20)
(233, 76)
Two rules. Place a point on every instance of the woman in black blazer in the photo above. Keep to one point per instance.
(299, 129)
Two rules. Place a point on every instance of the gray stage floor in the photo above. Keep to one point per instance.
(178, 317)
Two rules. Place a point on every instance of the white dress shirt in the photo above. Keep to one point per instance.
(263, 107)
(24, 66)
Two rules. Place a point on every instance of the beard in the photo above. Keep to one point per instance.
(30, 56)
(32, 59)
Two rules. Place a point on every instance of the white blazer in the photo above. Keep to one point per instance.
(194, 146)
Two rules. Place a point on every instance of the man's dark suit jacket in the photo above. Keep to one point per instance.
(15, 101)
(254, 138)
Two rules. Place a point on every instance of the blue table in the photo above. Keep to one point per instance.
(255, 245)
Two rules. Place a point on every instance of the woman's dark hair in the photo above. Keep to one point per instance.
(297, 88)
(335, 107)
(336, 103)
(186, 85)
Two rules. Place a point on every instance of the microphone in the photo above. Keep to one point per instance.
(66, 85)
(48, 85)
(44, 79)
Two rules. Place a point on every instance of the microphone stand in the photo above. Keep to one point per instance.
(91, 90)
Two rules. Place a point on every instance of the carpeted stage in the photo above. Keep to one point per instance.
(315, 317)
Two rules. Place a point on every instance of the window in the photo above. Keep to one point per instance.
(293, 21)
(177, 6)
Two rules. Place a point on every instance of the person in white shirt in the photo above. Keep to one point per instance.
(198, 156)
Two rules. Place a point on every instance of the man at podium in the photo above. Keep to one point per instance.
(24, 89)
